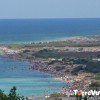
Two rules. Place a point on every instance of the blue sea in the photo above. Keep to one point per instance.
(28, 82)
(18, 73)
(36, 30)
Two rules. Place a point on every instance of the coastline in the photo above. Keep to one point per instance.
(37, 64)
(45, 79)
(59, 39)
(69, 79)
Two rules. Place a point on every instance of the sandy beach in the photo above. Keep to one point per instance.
(40, 64)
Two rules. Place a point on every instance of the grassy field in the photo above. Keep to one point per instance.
(53, 44)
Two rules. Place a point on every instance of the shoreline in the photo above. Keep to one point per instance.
(59, 39)
(51, 76)
(37, 64)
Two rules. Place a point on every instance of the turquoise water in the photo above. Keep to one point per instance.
(35, 30)
(13, 72)
(28, 82)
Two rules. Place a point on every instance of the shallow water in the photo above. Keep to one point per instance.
(28, 82)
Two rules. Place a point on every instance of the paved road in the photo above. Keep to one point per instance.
(38, 98)
(72, 98)
(43, 98)
(64, 98)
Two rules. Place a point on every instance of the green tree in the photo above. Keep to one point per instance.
(12, 94)
(2, 96)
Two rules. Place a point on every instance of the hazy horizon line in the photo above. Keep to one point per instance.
(56, 18)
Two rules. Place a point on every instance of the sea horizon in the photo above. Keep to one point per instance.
(16, 31)
(40, 30)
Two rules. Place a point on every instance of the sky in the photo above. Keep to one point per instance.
(13, 9)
